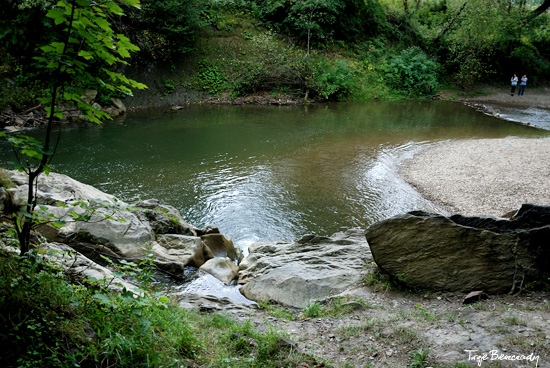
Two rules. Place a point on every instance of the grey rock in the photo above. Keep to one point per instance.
(125, 232)
(221, 268)
(80, 267)
(220, 246)
(119, 105)
(313, 268)
(177, 251)
(211, 304)
(459, 253)
(164, 219)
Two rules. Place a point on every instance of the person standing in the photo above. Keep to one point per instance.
(522, 85)
(514, 83)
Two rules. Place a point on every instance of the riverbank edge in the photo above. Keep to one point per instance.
(481, 99)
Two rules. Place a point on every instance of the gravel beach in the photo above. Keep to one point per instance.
(482, 176)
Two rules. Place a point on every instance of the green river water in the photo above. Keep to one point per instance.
(265, 173)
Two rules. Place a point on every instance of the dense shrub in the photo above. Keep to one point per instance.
(412, 71)
(268, 66)
(335, 79)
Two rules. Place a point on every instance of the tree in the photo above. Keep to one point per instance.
(314, 18)
(164, 29)
(84, 52)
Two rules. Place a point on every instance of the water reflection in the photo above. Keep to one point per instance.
(263, 173)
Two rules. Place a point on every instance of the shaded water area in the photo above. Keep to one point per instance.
(265, 173)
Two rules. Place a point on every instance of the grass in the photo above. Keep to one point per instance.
(48, 319)
(354, 331)
(515, 321)
(419, 358)
(277, 311)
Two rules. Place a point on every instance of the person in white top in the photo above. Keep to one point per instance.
(514, 84)
(522, 85)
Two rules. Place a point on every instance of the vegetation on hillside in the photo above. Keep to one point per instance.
(308, 49)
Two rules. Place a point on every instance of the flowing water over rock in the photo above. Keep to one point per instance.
(536, 117)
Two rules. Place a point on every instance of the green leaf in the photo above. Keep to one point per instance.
(163, 299)
(134, 3)
(57, 15)
(86, 54)
(102, 298)
(114, 8)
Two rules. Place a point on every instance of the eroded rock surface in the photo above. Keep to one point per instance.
(313, 268)
(459, 253)
(117, 229)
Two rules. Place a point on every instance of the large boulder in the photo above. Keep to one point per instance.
(310, 269)
(459, 253)
(55, 188)
(220, 246)
(120, 231)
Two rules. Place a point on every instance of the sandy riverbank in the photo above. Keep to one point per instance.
(483, 176)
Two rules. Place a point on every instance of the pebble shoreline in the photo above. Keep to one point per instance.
(482, 176)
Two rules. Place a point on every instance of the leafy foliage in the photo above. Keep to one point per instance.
(164, 29)
(269, 66)
(210, 78)
(324, 19)
(335, 79)
(83, 52)
(413, 71)
(47, 320)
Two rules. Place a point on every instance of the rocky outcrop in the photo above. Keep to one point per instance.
(459, 253)
(112, 227)
(313, 268)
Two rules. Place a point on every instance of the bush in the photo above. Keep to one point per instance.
(210, 78)
(412, 71)
(269, 66)
(335, 79)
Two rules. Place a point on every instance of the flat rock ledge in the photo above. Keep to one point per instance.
(311, 269)
(459, 253)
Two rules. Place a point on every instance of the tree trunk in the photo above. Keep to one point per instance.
(538, 11)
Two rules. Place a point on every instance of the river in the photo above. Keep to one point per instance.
(270, 173)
